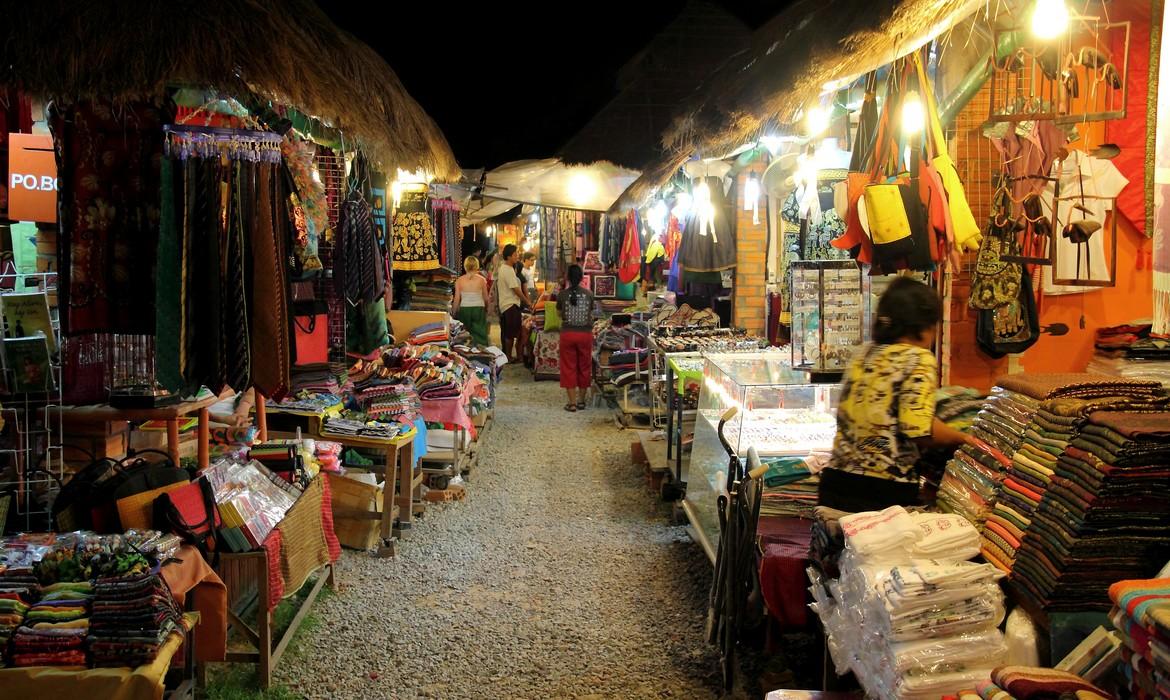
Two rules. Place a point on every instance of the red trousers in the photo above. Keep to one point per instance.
(576, 359)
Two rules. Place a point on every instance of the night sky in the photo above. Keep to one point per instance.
(507, 81)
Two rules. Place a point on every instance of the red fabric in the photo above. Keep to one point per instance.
(272, 546)
(673, 239)
(1130, 133)
(785, 543)
(327, 521)
(576, 352)
(630, 261)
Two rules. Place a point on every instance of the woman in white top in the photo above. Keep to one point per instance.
(469, 306)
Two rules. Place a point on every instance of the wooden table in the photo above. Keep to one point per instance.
(104, 413)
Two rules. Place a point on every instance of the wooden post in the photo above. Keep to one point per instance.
(405, 488)
(262, 417)
(173, 439)
(204, 454)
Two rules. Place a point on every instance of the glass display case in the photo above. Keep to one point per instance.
(778, 412)
(828, 314)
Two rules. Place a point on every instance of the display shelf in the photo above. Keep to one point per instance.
(828, 310)
(778, 412)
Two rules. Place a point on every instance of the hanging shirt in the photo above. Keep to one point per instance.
(1100, 178)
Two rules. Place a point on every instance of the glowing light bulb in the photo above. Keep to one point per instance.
(1049, 19)
(682, 205)
(751, 193)
(772, 143)
(702, 198)
(817, 120)
(656, 217)
(913, 114)
(581, 189)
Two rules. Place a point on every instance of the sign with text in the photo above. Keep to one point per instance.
(32, 178)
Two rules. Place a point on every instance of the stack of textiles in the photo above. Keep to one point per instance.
(1061, 403)
(429, 334)
(957, 406)
(459, 333)
(790, 486)
(907, 626)
(1141, 614)
(1029, 683)
(55, 628)
(316, 379)
(132, 618)
(1106, 516)
(429, 292)
(13, 608)
(1130, 351)
(305, 403)
(389, 403)
(345, 427)
(828, 541)
(973, 476)
(613, 306)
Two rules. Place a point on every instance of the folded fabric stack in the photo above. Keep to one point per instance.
(429, 292)
(459, 333)
(305, 403)
(344, 427)
(613, 306)
(957, 406)
(790, 487)
(132, 618)
(828, 540)
(911, 627)
(13, 607)
(1141, 614)
(1059, 403)
(55, 628)
(430, 334)
(315, 379)
(1129, 351)
(1106, 516)
(1028, 683)
(973, 476)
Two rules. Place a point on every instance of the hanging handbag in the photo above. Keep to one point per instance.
(996, 282)
(965, 233)
(1013, 327)
(190, 512)
(847, 193)
(311, 321)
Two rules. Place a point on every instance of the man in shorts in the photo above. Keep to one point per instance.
(510, 293)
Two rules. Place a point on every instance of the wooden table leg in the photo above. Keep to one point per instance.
(388, 480)
(173, 439)
(262, 417)
(406, 488)
(204, 454)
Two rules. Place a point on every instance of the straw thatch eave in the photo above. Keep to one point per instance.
(285, 51)
(794, 56)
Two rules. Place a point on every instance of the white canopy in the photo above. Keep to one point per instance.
(549, 182)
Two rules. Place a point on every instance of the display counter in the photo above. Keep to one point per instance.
(778, 412)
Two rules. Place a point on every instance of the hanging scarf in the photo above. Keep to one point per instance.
(1162, 197)
(630, 262)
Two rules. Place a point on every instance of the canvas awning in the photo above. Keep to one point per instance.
(550, 183)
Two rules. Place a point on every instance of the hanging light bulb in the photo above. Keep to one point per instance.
(772, 143)
(913, 114)
(581, 188)
(682, 205)
(704, 209)
(656, 217)
(751, 193)
(1049, 19)
(816, 120)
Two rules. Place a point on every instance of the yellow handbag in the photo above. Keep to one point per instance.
(886, 212)
(965, 231)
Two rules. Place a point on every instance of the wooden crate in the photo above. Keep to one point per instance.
(352, 502)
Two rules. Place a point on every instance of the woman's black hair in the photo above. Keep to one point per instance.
(906, 309)
(576, 274)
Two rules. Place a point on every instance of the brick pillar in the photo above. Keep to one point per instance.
(749, 301)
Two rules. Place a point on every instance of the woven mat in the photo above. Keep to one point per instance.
(304, 549)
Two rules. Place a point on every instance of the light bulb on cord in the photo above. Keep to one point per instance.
(817, 121)
(1049, 19)
(913, 114)
(751, 193)
(704, 209)
(657, 217)
(682, 205)
(581, 188)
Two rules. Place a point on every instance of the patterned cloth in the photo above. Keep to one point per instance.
(887, 400)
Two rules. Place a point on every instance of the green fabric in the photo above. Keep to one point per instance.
(627, 292)
(552, 317)
(474, 319)
(365, 327)
(168, 288)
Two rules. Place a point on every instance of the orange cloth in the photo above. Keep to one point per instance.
(209, 598)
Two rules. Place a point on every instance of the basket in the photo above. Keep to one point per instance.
(350, 499)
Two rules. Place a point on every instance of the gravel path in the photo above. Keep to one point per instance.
(558, 577)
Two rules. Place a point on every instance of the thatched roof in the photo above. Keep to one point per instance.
(810, 44)
(287, 51)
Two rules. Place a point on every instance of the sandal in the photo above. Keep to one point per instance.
(580, 405)
(570, 408)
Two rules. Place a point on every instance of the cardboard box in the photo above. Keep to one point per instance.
(350, 498)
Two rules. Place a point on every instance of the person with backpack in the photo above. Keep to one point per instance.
(575, 307)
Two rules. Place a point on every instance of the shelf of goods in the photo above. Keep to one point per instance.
(778, 412)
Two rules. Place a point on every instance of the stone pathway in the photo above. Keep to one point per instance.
(559, 577)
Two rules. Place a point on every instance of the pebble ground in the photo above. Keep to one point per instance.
(560, 576)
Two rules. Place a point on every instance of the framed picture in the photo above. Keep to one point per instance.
(587, 282)
(604, 286)
(593, 261)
